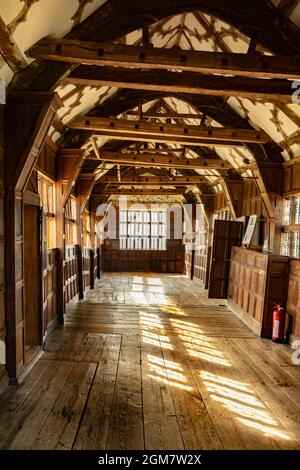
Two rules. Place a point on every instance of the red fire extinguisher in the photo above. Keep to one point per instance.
(278, 324)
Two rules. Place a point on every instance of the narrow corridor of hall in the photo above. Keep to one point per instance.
(147, 361)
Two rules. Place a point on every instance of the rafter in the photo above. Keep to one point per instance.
(186, 82)
(94, 53)
(215, 107)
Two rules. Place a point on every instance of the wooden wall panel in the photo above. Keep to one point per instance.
(293, 302)
(170, 260)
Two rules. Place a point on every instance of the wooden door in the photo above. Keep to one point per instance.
(32, 281)
(226, 235)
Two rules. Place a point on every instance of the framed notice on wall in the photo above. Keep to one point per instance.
(250, 229)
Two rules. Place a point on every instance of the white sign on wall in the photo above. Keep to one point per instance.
(250, 229)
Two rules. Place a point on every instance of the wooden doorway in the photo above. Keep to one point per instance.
(226, 235)
(32, 282)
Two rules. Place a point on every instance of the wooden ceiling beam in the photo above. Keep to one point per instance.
(166, 150)
(130, 136)
(145, 192)
(184, 82)
(144, 160)
(149, 131)
(168, 115)
(151, 180)
(9, 49)
(101, 53)
(112, 21)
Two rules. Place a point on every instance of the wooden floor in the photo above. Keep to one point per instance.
(148, 362)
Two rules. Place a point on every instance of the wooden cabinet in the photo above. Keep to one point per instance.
(256, 282)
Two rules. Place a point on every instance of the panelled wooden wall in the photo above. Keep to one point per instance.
(166, 261)
(2, 244)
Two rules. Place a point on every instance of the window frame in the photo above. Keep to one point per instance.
(147, 230)
(46, 191)
(290, 239)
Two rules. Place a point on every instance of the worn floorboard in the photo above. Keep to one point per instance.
(147, 361)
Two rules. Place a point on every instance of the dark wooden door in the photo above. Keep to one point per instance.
(226, 234)
(32, 281)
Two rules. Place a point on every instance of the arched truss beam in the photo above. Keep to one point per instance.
(214, 107)
(258, 19)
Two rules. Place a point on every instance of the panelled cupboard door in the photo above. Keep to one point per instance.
(226, 235)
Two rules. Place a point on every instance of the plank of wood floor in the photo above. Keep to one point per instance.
(64, 346)
(21, 432)
(76, 346)
(285, 349)
(281, 354)
(285, 410)
(161, 427)
(13, 397)
(281, 376)
(60, 428)
(240, 416)
(92, 348)
(204, 322)
(126, 328)
(126, 425)
(93, 430)
(197, 428)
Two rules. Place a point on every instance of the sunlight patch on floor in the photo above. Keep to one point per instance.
(238, 398)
